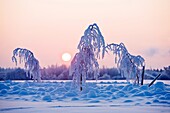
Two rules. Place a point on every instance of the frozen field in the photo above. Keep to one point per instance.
(96, 97)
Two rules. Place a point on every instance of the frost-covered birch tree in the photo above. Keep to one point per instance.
(31, 64)
(129, 66)
(91, 47)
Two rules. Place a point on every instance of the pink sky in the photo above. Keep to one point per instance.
(51, 27)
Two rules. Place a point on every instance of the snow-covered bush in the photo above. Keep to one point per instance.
(31, 64)
(129, 66)
(85, 61)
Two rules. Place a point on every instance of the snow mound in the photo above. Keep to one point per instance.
(113, 92)
(47, 98)
(70, 94)
(92, 94)
(4, 86)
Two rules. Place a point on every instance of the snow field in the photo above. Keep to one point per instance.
(111, 92)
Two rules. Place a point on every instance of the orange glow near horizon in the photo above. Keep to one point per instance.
(50, 27)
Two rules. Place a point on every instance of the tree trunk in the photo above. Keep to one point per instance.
(143, 73)
(81, 79)
(137, 79)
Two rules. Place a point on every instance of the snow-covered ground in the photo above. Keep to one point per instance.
(96, 97)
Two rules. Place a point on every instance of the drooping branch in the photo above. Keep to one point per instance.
(31, 64)
(85, 61)
(129, 66)
(94, 40)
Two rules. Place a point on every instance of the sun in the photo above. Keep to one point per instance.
(66, 57)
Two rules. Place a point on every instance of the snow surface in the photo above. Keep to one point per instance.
(96, 97)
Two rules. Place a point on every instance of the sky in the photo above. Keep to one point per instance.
(50, 28)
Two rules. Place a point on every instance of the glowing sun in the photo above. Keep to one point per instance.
(66, 57)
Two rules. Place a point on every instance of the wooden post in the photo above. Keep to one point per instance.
(154, 79)
(143, 73)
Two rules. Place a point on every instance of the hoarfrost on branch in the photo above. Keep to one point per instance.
(128, 65)
(85, 61)
(31, 64)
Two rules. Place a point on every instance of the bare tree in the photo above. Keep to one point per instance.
(31, 64)
(129, 66)
(85, 61)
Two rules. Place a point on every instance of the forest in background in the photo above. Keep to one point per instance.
(56, 72)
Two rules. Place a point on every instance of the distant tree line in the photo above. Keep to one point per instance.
(165, 73)
(13, 74)
(56, 72)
